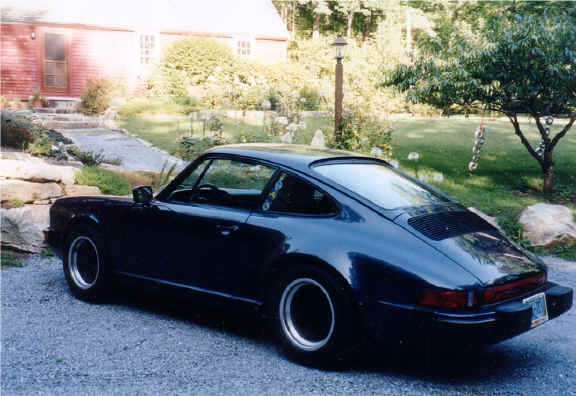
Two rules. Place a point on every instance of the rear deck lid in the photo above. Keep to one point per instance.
(471, 242)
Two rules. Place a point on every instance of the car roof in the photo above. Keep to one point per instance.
(295, 156)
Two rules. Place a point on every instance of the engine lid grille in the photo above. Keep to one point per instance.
(439, 226)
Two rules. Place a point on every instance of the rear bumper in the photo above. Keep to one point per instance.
(487, 326)
(53, 239)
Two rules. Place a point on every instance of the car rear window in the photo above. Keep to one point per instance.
(379, 184)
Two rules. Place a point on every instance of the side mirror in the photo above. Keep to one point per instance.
(142, 194)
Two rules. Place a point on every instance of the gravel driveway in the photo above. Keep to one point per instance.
(54, 344)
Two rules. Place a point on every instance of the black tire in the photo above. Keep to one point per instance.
(85, 263)
(314, 316)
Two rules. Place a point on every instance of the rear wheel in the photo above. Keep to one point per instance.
(84, 263)
(314, 316)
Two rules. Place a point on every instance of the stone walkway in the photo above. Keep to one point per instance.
(135, 154)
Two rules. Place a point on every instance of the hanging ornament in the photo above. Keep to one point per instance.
(479, 141)
(540, 150)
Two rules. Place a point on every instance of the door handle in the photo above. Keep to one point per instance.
(227, 229)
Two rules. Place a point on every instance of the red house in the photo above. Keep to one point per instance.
(58, 45)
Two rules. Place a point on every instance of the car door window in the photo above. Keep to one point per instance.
(183, 192)
(291, 194)
(232, 183)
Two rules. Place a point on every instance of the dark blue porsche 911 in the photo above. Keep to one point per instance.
(332, 245)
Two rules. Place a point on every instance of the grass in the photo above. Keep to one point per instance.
(507, 179)
(116, 181)
(11, 260)
(108, 181)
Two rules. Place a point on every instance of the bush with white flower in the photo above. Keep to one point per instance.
(365, 133)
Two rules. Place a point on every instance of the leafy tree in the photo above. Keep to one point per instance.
(523, 64)
(320, 10)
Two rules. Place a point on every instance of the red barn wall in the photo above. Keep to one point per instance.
(93, 53)
(19, 59)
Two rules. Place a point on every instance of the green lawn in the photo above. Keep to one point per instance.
(507, 178)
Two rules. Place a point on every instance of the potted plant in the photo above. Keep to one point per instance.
(37, 99)
(3, 102)
(15, 104)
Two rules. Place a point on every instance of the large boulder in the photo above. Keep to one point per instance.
(548, 225)
(27, 192)
(22, 228)
(36, 171)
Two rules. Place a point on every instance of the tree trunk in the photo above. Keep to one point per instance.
(316, 27)
(349, 22)
(548, 173)
(368, 22)
(293, 17)
(408, 31)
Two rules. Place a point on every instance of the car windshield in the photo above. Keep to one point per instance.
(379, 184)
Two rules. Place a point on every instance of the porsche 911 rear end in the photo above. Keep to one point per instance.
(468, 283)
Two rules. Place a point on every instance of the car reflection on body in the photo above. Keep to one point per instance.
(331, 245)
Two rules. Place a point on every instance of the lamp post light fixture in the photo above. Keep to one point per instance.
(338, 50)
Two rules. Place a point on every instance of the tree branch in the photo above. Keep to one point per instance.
(525, 142)
(563, 132)
(541, 129)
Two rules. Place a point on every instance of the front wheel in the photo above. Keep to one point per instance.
(314, 316)
(84, 263)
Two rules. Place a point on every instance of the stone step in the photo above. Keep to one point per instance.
(49, 124)
(53, 110)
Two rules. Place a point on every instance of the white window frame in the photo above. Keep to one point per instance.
(155, 51)
(249, 40)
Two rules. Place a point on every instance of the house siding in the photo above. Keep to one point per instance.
(270, 51)
(19, 61)
(93, 53)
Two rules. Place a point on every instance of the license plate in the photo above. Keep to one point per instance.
(539, 310)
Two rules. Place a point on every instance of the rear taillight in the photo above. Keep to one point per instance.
(516, 288)
(447, 298)
(437, 298)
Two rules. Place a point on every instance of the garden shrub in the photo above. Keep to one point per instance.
(309, 98)
(97, 97)
(109, 182)
(15, 133)
(40, 146)
(191, 147)
(364, 133)
(87, 158)
(190, 62)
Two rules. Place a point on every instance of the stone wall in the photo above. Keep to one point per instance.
(28, 186)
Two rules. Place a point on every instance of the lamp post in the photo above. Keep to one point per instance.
(338, 50)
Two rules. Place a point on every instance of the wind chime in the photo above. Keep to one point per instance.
(549, 121)
(479, 141)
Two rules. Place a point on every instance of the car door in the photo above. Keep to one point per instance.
(292, 215)
(198, 234)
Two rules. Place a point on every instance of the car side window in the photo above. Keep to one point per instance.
(190, 181)
(229, 183)
(293, 195)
